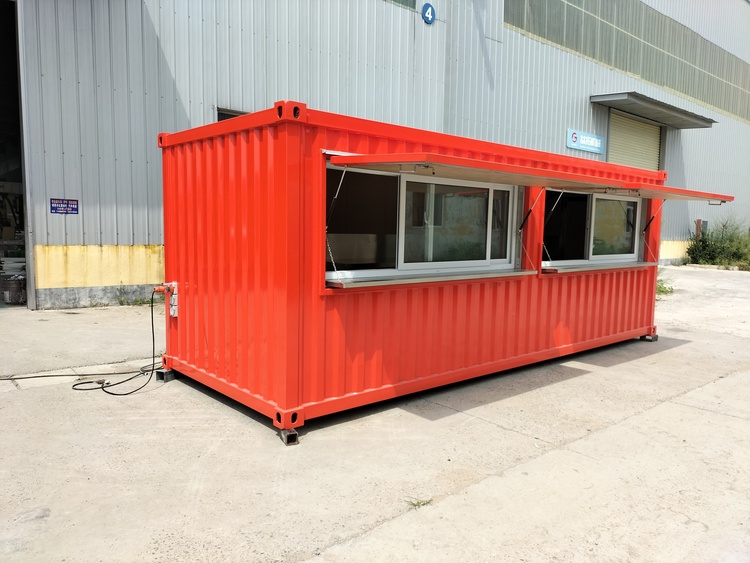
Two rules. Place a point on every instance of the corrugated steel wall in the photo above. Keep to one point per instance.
(91, 76)
(231, 250)
(246, 245)
(723, 22)
(102, 78)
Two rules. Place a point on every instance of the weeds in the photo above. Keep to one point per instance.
(416, 503)
(662, 288)
(124, 299)
(727, 244)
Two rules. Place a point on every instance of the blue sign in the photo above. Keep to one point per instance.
(585, 141)
(428, 14)
(63, 206)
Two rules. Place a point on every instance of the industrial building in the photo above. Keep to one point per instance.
(88, 86)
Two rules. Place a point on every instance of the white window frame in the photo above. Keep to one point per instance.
(379, 273)
(630, 257)
(458, 265)
(590, 218)
(405, 270)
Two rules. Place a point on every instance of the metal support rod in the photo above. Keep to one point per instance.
(533, 205)
(648, 224)
(553, 207)
(335, 197)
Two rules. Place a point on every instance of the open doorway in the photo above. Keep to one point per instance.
(12, 197)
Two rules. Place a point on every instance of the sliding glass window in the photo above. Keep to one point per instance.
(454, 225)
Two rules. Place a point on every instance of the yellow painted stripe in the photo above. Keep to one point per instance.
(95, 266)
(673, 249)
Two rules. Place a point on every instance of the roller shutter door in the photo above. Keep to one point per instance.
(633, 142)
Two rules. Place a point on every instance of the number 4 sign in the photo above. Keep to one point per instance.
(428, 14)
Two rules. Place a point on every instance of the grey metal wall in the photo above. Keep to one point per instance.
(723, 22)
(101, 79)
(90, 79)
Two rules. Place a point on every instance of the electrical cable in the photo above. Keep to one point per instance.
(104, 386)
(101, 384)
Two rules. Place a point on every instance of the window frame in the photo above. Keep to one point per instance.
(384, 273)
(440, 267)
(590, 258)
(629, 257)
(407, 270)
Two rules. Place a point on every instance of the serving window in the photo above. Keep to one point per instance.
(579, 228)
(383, 225)
(363, 223)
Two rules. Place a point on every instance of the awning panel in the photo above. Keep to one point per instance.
(546, 175)
(653, 110)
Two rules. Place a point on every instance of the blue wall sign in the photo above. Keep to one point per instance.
(585, 141)
(63, 206)
(428, 14)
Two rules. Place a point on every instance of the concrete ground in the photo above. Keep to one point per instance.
(635, 452)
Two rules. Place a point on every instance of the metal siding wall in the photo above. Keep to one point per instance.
(230, 246)
(91, 73)
(696, 159)
(50, 115)
(723, 22)
(103, 78)
(69, 117)
(33, 129)
(152, 61)
(87, 103)
(246, 245)
(705, 159)
(393, 337)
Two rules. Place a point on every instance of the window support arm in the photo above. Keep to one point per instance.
(335, 197)
(328, 218)
(648, 224)
(528, 213)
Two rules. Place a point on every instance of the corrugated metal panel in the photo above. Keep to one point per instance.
(230, 250)
(92, 73)
(710, 160)
(69, 118)
(134, 68)
(152, 61)
(449, 332)
(51, 118)
(693, 160)
(245, 244)
(87, 103)
(723, 22)
(633, 142)
(104, 118)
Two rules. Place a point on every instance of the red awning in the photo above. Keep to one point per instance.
(581, 176)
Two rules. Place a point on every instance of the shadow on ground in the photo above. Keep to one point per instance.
(491, 388)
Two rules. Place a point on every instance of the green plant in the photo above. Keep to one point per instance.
(124, 299)
(121, 298)
(662, 288)
(727, 244)
(416, 503)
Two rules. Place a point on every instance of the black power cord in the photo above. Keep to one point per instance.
(101, 384)
(150, 369)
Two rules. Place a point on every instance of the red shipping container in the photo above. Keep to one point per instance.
(261, 312)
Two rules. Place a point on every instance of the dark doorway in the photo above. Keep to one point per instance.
(12, 199)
